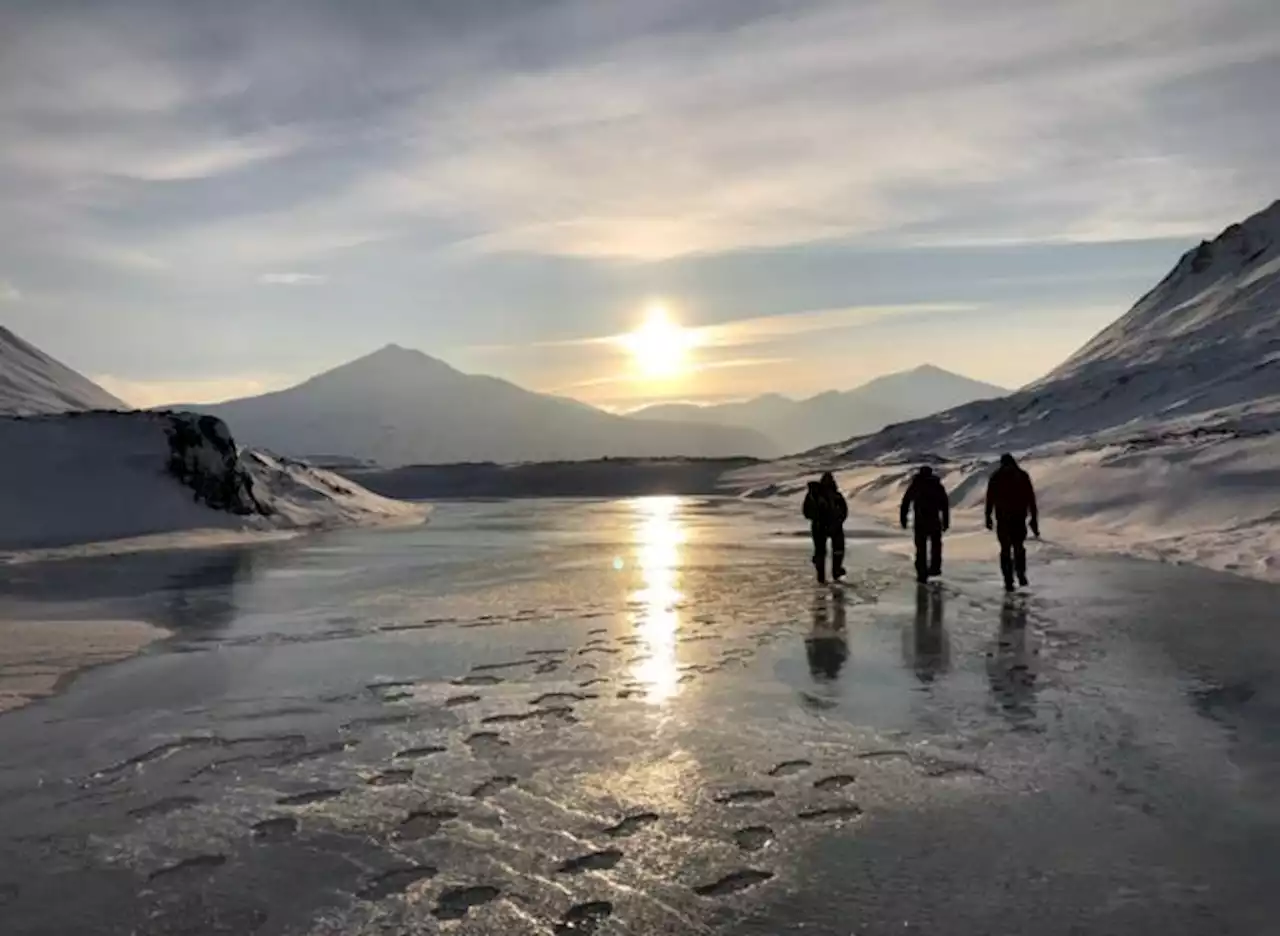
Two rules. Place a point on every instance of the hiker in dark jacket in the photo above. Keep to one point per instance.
(826, 511)
(928, 498)
(1012, 499)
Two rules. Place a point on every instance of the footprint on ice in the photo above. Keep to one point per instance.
(787, 768)
(395, 882)
(394, 777)
(561, 697)
(593, 861)
(753, 838)
(492, 785)
(584, 919)
(188, 866)
(732, 883)
(309, 797)
(455, 701)
(417, 752)
(597, 630)
(510, 664)
(275, 830)
(477, 680)
(486, 741)
(838, 813)
(455, 902)
(834, 782)
(598, 681)
(632, 824)
(735, 797)
(423, 823)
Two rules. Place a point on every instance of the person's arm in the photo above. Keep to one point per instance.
(991, 499)
(808, 506)
(946, 507)
(906, 503)
(842, 508)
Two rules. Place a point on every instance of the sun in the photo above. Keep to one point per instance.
(660, 347)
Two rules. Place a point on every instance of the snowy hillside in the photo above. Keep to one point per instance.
(85, 478)
(798, 425)
(397, 407)
(1161, 436)
(31, 382)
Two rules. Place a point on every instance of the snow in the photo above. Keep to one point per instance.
(32, 382)
(92, 478)
(36, 656)
(1159, 438)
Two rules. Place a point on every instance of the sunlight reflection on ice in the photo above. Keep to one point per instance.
(659, 536)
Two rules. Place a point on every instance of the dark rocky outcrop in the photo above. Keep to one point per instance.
(203, 456)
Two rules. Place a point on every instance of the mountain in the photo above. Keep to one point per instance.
(1159, 437)
(31, 382)
(797, 425)
(399, 406)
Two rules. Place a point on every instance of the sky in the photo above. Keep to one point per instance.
(204, 201)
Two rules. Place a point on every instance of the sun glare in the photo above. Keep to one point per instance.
(660, 347)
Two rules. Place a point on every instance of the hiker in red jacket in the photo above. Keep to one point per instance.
(1012, 499)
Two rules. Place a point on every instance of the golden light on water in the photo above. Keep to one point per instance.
(659, 536)
(660, 346)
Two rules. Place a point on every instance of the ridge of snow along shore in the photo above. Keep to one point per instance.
(134, 480)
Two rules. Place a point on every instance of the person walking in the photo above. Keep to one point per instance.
(928, 499)
(1011, 497)
(826, 510)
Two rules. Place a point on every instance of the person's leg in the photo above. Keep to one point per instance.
(820, 553)
(922, 561)
(1006, 558)
(935, 552)
(1020, 558)
(837, 552)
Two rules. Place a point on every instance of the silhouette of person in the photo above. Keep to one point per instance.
(928, 650)
(825, 646)
(1013, 682)
(826, 510)
(1012, 499)
(928, 499)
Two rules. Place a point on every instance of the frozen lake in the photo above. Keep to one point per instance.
(643, 717)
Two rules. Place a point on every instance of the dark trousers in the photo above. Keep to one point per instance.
(1013, 549)
(928, 552)
(820, 536)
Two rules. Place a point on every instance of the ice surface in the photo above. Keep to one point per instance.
(1095, 756)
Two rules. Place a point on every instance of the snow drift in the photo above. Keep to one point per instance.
(85, 478)
(1160, 437)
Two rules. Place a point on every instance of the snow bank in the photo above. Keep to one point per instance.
(83, 478)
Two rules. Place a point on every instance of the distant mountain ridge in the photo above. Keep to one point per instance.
(31, 383)
(798, 425)
(398, 406)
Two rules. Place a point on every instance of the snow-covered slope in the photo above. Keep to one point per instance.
(398, 407)
(83, 478)
(798, 425)
(1161, 436)
(32, 382)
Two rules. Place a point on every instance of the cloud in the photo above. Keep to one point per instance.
(635, 132)
(8, 291)
(293, 279)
